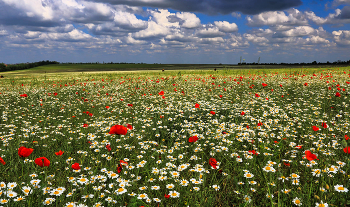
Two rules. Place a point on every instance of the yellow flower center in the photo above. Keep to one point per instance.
(321, 205)
(268, 168)
(142, 196)
(297, 201)
(174, 194)
(120, 189)
(340, 188)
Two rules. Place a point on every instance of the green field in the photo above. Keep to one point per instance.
(193, 137)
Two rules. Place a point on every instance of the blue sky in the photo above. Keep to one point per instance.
(174, 31)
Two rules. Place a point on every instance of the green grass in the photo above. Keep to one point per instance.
(162, 126)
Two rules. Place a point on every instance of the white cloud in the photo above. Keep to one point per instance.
(317, 40)
(342, 37)
(294, 17)
(210, 33)
(32, 8)
(225, 26)
(299, 31)
(190, 20)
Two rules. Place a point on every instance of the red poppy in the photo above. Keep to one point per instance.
(119, 168)
(242, 113)
(310, 156)
(108, 146)
(253, 152)
(324, 125)
(264, 84)
(259, 124)
(346, 137)
(85, 125)
(129, 126)
(213, 162)
(196, 105)
(25, 152)
(131, 105)
(212, 112)
(315, 128)
(167, 196)
(247, 127)
(257, 95)
(337, 94)
(193, 139)
(55, 94)
(42, 161)
(347, 150)
(275, 142)
(24, 95)
(286, 164)
(305, 84)
(122, 162)
(59, 153)
(76, 166)
(161, 93)
(118, 129)
(299, 147)
(2, 161)
(107, 107)
(221, 95)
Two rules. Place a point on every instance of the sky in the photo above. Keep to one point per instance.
(175, 31)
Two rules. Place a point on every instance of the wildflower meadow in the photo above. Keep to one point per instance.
(174, 138)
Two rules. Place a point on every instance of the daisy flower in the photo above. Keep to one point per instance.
(174, 194)
(297, 201)
(216, 187)
(341, 188)
(321, 204)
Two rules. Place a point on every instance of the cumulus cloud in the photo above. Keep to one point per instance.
(212, 7)
(210, 33)
(225, 26)
(294, 17)
(342, 37)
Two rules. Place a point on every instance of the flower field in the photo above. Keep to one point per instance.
(223, 138)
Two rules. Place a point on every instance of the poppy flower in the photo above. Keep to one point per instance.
(196, 105)
(129, 126)
(346, 137)
(264, 84)
(253, 152)
(221, 95)
(42, 161)
(257, 95)
(108, 146)
(242, 113)
(305, 84)
(299, 147)
(122, 162)
(275, 142)
(167, 196)
(193, 139)
(24, 95)
(107, 107)
(131, 105)
(247, 127)
(213, 162)
(161, 93)
(2, 161)
(324, 125)
(119, 168)
(59, 153)
(310, 156)
(286, 164)
(85, 125)
(315, 128)
(337, 94)
(76, 166)
(212, 112)
(260, 124)
(347, 150)
(25, 152)
(118, 129)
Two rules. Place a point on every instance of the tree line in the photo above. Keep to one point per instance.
(23, 66)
